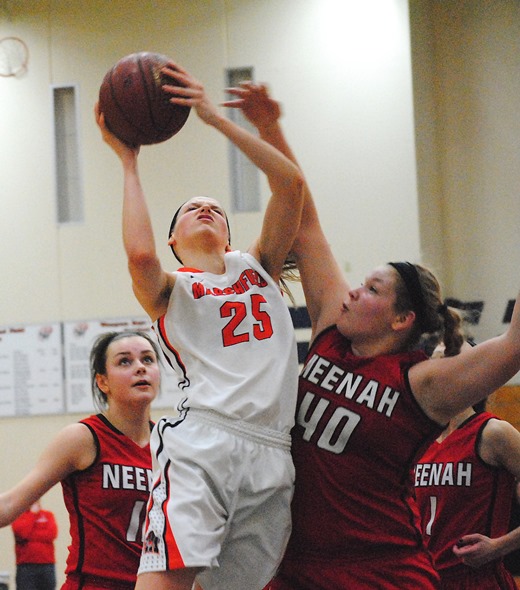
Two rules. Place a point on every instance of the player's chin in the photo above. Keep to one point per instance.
(146, 390)
(144, 398)
(345, 331)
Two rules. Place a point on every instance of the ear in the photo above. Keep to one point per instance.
(101, 382)
(403, 321)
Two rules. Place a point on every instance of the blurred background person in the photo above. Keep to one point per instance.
(34, 533)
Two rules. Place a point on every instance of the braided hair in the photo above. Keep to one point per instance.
(418, 290)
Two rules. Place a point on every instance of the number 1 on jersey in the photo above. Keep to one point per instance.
(433, 512)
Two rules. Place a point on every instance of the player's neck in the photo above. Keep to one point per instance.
(208, 262)
(456, 422)
(133, 425)
(376, 346)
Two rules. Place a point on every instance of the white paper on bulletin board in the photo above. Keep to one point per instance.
(78, 338)
(31, 370)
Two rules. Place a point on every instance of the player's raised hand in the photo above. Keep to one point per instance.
(123, 150)
(256, 104)
(189, 93)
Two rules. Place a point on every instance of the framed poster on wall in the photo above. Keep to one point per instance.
(31, 370)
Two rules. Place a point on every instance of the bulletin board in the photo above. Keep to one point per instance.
(31, 370)
(45, 368)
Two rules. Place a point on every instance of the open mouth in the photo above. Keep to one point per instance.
(142, 383)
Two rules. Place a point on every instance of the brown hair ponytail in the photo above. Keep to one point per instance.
(418, 289)
(452, 335)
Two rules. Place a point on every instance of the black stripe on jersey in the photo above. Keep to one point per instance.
(167, 485)
(96, 439)
(75, 499)
(169, 351)
(81, 527)
(167, 422)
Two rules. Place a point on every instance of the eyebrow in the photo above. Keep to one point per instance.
(374, 280)
(145, 351)
(200, 203)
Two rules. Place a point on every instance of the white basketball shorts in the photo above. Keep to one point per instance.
(220, 500)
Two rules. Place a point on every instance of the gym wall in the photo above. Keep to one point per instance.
(401, 115)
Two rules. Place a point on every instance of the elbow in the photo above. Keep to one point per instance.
(8, 515)
(300, 185)
(302, 243)
(140, 259)
(299, 190)
(294, 185)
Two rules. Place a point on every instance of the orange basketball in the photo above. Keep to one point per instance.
(136, 109)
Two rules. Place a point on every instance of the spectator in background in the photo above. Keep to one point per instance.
(34, 533)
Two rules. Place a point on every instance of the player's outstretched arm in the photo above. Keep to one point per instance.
(151, 284)
(323, 281)
(72, 449)
(446, 386)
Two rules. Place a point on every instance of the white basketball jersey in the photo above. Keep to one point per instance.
(230, 339)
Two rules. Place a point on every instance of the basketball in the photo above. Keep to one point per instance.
(136, 109)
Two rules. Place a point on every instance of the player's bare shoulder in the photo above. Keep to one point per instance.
(155, 300)
(499, 440)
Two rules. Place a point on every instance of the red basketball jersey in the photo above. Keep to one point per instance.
(458, 494)
(359, 432)
(106, 505)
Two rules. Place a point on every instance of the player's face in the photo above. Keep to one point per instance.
(200, 214)
(370, 309)
(132, 371)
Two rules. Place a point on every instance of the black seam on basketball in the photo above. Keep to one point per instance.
(149, 99)
(165, 130)
(120, 107)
